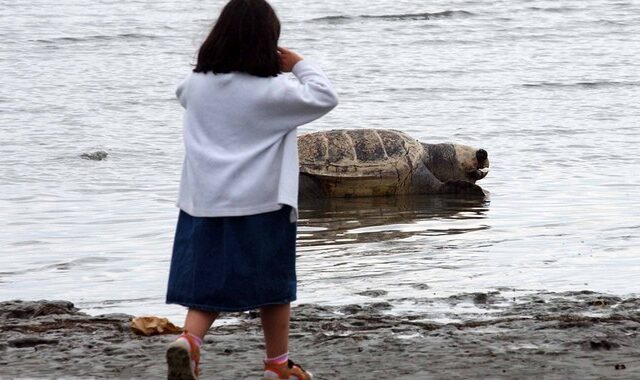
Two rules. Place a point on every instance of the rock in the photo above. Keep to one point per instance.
(99, 155)
(382, 306)
(30, 341)
(34, 309)
(480, 298)
(602, 345)
(351, 309)
(373, 293)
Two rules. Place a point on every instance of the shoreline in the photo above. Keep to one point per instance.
(544, 335)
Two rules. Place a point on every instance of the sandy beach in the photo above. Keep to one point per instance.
(546, 335)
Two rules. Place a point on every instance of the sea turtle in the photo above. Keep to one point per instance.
(378, 162)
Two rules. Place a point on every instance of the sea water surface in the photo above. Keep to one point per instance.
(550, 89)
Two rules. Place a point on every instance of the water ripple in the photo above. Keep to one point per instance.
(97, 38)
(398, 17)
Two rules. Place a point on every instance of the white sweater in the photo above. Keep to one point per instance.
(241, 150)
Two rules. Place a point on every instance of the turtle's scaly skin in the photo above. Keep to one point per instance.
(357, 163)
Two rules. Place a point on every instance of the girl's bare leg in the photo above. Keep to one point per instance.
(198, 322)
(275, 325)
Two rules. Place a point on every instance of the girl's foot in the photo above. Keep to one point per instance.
(287, 370)
(183, 358)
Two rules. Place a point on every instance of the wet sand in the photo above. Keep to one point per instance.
(575, 335)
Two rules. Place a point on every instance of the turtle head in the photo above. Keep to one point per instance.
(473, 163)
(455, 162)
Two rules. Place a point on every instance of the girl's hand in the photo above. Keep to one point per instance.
(288, 59)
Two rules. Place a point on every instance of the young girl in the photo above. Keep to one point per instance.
(234, 248)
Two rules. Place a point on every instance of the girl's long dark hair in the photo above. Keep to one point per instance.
(244, 39)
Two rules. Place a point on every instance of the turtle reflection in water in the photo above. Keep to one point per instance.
(336, 221)
(378, 162)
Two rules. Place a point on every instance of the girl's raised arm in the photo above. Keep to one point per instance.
(302, 101)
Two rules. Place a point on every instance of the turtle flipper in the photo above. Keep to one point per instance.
(462, 188)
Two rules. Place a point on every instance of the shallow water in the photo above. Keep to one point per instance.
(549, 89)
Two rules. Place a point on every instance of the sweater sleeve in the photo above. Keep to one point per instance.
(180, 92)
(305, 100)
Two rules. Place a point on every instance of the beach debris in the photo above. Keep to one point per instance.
(99, 155)
(620, 367)
(149, 326)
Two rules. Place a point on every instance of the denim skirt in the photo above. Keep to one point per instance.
(235, 263)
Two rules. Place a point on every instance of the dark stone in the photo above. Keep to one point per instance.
(480, 298)
(602, 345)
(351, 309)
(31, 342)
(34, 309)
(373, 293)
(382, 306)
(95, 156)
(253, 314)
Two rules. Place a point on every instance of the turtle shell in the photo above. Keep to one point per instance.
(361, 161)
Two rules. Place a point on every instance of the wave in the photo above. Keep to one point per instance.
(100, 37)
(333, 18)
(398, 17)
(593, 84)
(554, 9)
